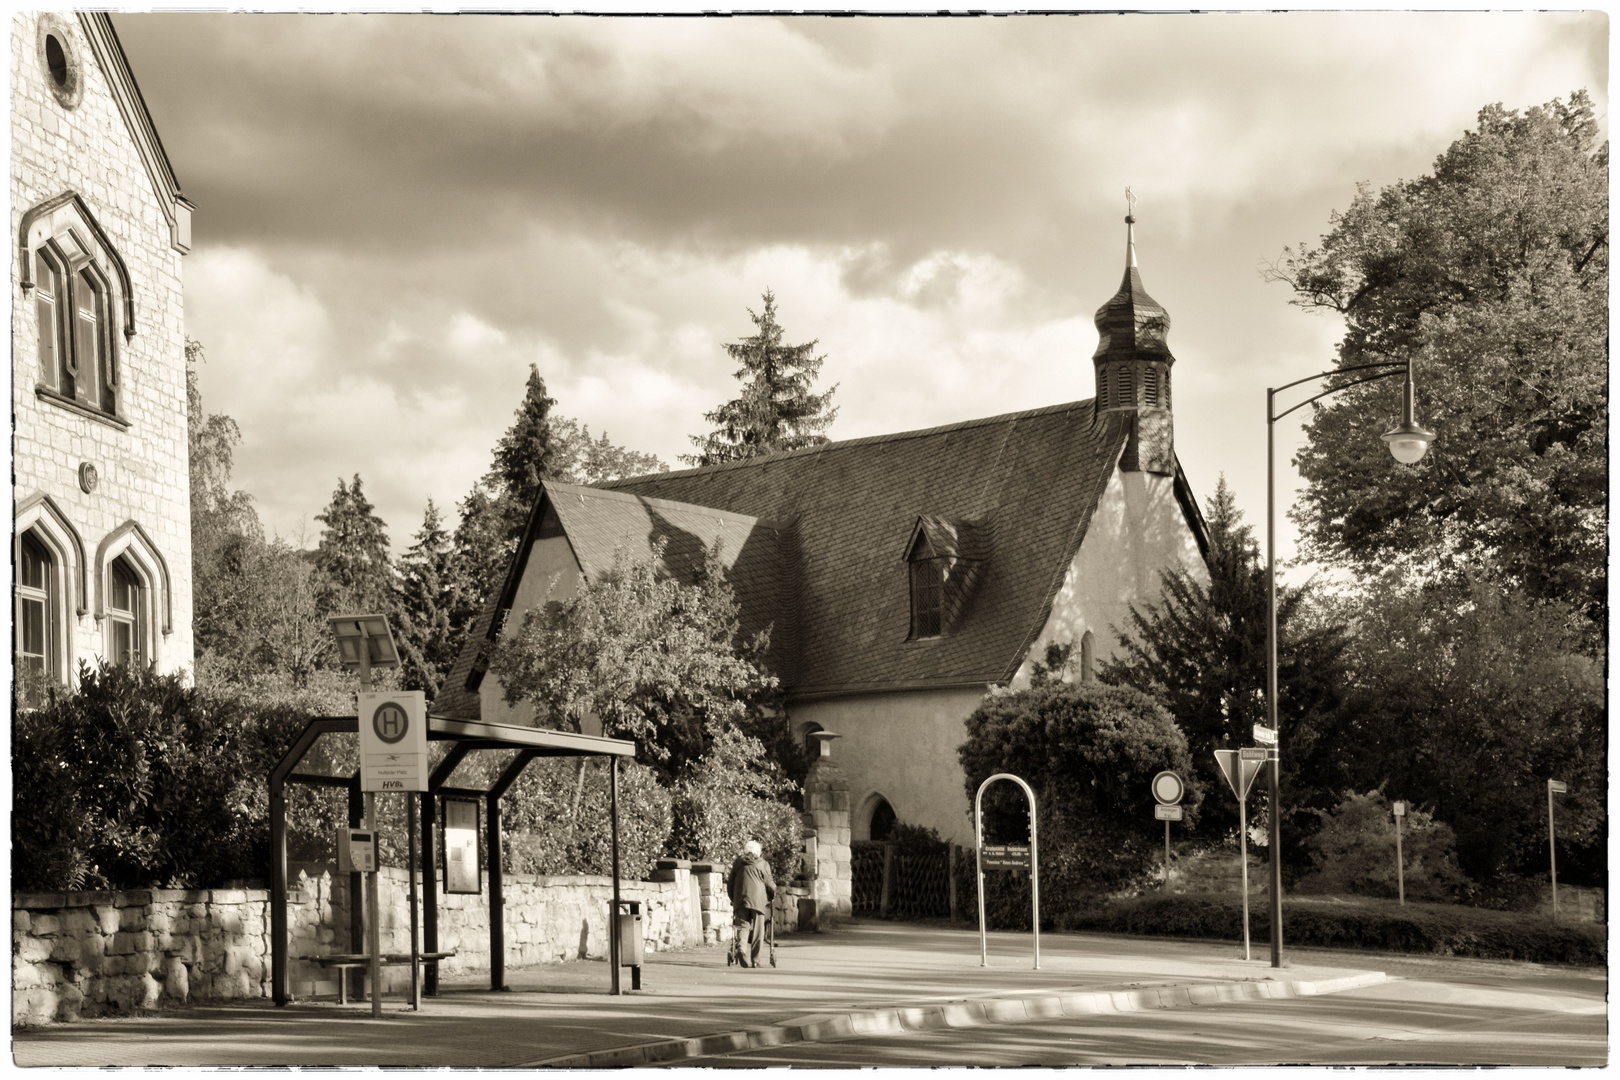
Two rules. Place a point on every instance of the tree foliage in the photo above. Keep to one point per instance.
(1089, 752)
(1200, 651)
(555, 819)
(734, 793)
(136, 780)
(1354, 852)
(1492, 274)
(775, 410)
(427, 604)
(652, 658)
(1467, 701)
(353, 559)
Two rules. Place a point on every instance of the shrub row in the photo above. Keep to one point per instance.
(1445, 930)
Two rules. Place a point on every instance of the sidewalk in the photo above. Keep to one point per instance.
(864, 977)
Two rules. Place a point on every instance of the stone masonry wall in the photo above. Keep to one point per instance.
(143, 474)
(88, 954)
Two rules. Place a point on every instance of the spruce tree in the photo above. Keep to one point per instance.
(776, 410)
(353, 559)
(427, 603)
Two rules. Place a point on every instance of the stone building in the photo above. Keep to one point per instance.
(102, 534)
(904, 576)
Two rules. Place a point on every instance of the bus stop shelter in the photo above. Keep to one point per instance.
(465, 737)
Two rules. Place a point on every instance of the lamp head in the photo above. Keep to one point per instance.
(1408, 442)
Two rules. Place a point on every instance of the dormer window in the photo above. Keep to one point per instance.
(927, 591)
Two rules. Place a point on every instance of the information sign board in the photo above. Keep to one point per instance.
(1166, 813)
(1240, 771)
(461, 846)
(1005, 857)
(393, 741)
(1399, 807)
(1557, 786)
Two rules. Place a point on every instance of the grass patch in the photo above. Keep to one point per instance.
(1351, 923)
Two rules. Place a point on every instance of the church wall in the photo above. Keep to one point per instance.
(901, 746)
(1137, 531)
(550, 557)
(142, 472)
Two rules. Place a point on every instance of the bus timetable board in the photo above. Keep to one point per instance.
(1005, 857)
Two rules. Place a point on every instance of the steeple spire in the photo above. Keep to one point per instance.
(1133, 363)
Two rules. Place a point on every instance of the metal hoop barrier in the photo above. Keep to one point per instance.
(1034, 865)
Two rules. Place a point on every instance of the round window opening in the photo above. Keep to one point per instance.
(60, 58)
(56, 60)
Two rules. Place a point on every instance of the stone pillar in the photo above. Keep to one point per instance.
(826, 800)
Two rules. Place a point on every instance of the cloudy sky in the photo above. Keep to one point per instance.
(399, 214)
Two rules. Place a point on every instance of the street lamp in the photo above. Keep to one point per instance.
(1407, 442)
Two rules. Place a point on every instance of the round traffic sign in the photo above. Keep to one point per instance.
(1168, 788)
(390, 722)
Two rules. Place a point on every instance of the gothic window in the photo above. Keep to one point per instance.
(38, 662)
(75, 346)
(126, 615)
(927, 591)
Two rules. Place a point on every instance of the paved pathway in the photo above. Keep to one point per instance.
(866, 976)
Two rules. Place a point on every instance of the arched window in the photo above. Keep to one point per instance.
(38, 658)
(1150, 386)
(126, 615)
(1102, 387)
(1124, 387)
(880, 825)
(1087, 645)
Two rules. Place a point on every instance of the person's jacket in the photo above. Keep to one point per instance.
(750, 884)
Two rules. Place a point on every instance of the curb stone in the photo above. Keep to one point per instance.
(957, 1014)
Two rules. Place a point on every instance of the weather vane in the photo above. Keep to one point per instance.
(1130, 204)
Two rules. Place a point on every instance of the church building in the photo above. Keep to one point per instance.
(904, 576)
(102, 534)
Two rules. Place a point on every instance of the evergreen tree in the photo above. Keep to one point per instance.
(776, 410)
(525, 455)
(1201, 652)
(352, 560)
(427, 605)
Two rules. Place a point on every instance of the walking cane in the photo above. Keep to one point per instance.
(773, 942)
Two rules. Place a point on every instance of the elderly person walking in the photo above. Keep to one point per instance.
(751, 890)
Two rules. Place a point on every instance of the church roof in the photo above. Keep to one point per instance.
(820, 536)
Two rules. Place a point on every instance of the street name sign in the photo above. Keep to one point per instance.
(393, 741)
(1240, 771)
(1005, 856)
(1557, 786)
(1166, 813)
(1265, 736)
(1253, 753)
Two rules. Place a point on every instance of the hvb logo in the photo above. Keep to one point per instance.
(390, 722)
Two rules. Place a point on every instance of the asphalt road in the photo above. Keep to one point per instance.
(1433, 1011)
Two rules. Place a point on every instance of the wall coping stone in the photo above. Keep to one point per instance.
(674, 864)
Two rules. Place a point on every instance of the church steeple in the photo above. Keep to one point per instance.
(1132, 364)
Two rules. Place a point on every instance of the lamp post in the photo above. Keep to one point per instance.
(1407, 442)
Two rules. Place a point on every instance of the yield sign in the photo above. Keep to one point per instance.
(1239, 772)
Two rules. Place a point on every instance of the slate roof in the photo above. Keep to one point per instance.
(835, 522)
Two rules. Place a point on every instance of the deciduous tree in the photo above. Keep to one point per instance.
(1493, 274)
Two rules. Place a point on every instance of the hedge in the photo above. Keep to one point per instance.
(1438, 929)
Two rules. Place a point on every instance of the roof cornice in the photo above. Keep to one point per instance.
(109, 53)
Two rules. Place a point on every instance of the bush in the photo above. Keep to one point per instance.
(1380, 925)
(136, 780)
(731, 795)
(1089, 752)
(1354, 851)
(555, 819)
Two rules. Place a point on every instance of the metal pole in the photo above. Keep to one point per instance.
(1552, 850)
(978, 870)
(374, 936)
(416, 952)
(1243, 853)
(1400, 863)
(1271, 682)
(278, 890)
(1034, 874)
(613, 830)
(1167, 856)
(497, 890)
(430, 890)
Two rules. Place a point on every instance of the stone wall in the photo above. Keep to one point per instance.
(80, 955)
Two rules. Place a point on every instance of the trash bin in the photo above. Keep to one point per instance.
(632, 945)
